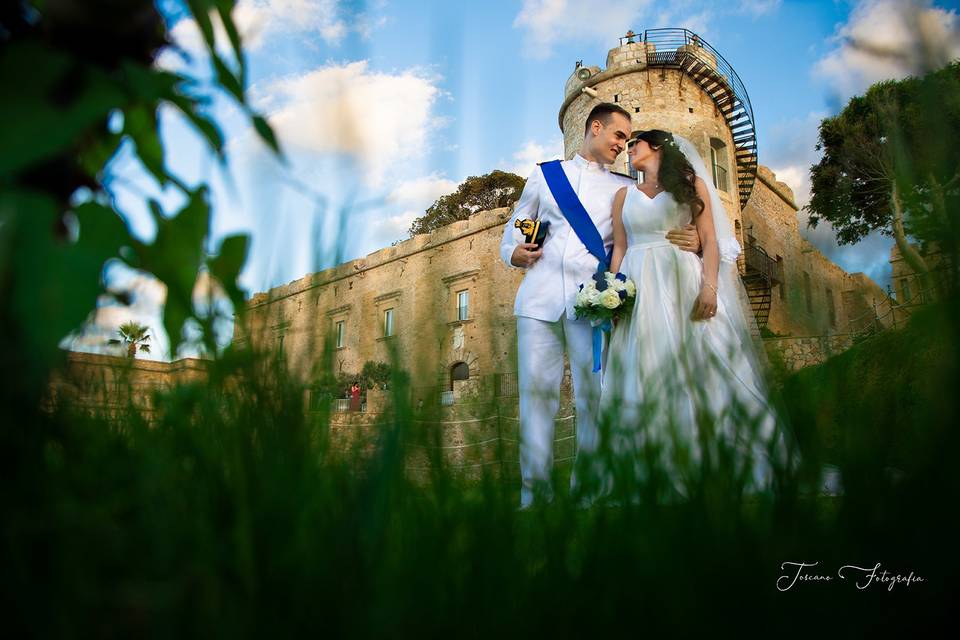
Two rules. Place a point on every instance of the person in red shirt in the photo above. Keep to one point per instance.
(355, 397)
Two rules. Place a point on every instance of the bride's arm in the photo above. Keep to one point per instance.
(619, 232)
(706, 305)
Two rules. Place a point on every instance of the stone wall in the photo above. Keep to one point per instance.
(477, 435)
(418, 280)
(797, 353)
(107, 385)
(801, 305)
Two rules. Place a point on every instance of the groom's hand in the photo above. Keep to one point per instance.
(525, 255)
(687, 238)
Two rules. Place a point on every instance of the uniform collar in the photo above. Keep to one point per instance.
(583, 163)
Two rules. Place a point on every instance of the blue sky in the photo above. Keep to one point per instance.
(383, 106)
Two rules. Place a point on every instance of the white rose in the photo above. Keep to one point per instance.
(593, 296)
(630, 288)
(610, 299)
(582, 298)
(619, 285)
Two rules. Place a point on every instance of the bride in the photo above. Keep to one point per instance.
(682, 394)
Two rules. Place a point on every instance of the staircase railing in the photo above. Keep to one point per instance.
(760, 264)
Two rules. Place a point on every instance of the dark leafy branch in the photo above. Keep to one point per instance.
(73, 70)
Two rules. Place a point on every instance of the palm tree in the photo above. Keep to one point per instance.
(134, 334)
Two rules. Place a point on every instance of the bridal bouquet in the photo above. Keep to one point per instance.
(606, 297)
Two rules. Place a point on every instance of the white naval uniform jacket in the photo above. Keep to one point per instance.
(550, 286)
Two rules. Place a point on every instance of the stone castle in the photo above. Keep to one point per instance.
(441, 304)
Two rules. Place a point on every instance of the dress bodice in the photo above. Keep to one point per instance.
(647, 219)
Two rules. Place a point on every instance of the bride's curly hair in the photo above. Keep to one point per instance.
(676, 174)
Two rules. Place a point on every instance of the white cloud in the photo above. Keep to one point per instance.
(698, 22)
(532, 152)
(889, 39)
(792, 150)
(547, 22)
(758, 7)
(258, 21)
(797, 177)
(388, 229)
(378, 119)
(408, 200)
(420, 193)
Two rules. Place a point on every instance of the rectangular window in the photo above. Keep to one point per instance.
(463, 305)
(340, 334)
(831, 308)
(905, 289)
(806, 292)
(388, 323)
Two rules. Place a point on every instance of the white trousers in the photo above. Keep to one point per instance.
(540, 363)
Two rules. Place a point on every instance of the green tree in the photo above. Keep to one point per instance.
(135, 336)
(375, 374)
(477, 193)
(891, 162)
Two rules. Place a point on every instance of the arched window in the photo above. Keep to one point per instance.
(459, 371)
(718, 158)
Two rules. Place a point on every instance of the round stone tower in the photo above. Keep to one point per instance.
(672, 79)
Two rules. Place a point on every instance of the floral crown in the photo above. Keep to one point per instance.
(668, 141)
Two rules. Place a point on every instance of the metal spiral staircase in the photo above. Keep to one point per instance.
(682, 49)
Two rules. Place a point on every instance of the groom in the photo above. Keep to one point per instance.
(546, 322)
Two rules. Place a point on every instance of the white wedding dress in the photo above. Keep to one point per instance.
(675, 390)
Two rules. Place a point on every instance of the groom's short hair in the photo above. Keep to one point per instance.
(602, 112)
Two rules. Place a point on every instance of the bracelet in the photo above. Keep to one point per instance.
(711, 286)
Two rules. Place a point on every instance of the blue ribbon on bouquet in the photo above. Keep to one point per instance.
(583, 225)
(606, 326)
(598, 343)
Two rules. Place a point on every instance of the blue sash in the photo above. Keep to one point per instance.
(574, 212)
(586, 230)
